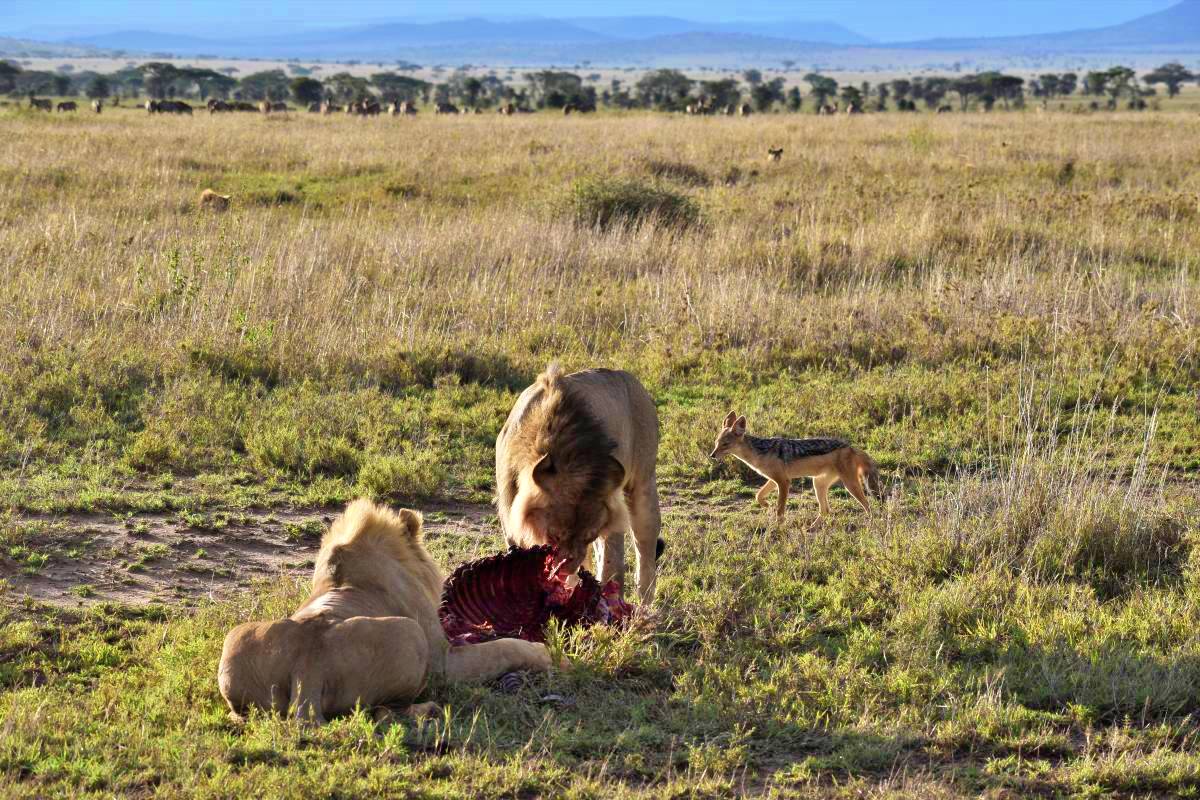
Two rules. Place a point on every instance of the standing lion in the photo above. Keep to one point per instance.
(575, 464)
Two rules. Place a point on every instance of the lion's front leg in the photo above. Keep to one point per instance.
(480, 663)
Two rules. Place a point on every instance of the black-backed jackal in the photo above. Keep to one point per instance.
(779, 460)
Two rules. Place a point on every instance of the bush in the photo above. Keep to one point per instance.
(678, 171)
(601, 202)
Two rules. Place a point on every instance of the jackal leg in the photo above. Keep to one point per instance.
(646, 520)
(821, 484)
(853, 484)
(781, 505)
(766, 489)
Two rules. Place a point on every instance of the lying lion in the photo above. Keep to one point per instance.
(368, 634)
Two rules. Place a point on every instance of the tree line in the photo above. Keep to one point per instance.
(661, 89)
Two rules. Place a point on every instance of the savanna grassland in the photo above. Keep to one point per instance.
(1001, 308)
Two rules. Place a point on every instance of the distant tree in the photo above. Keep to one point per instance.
(62, 85)
(852, 97)
(345, 87)
(395, 88)
(1120, 81)
(159, 78)
(882, 93)
(664, 89)
(823, 87)
(998, 86)
(32, 81)
(272, 84)
(98, 88)
(1094, 82)
(306, 90)
(931, 91)
(1173, 75)
(901, 88)
(967, 87)
(205, 82)
(767, 94)
(554, 89)
(1046, 85)
(1067, 83)
(8, 76)
(752, 77)
(721, 93)
(794, 100)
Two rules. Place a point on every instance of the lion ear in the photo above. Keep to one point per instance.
(413, 523)
(729, 419)
(543, 468)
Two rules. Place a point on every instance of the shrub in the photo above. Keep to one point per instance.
(678, 171)
(601, 202)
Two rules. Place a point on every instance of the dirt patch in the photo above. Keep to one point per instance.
(72, 560)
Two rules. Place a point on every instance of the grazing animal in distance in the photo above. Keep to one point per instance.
(314, 108)
(330, 108)
(97, 106)
(219, 107)
(408, 109)
(41, 104)
(744, 110)
(853, 108)
(67, 105)
(445, 108)
(213, 201)
(151, 106)
(944, 109)
(774, 153)
(826, 461)
(507, 109)
(368, 634)
(575, 465)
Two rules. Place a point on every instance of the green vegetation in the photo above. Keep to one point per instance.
(1002, 310)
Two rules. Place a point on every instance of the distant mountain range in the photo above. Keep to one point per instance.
(1174, 28)
(608, 40)
(625, 41)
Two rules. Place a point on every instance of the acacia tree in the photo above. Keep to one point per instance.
(159, 78)
(98, 88)
(765, 95)
(1173, 75)
(272, 84)
(823, 88)
(664, 89)
(8, 76)
(1118, 81)
(346, 88)
(306, 90)
(721, 93)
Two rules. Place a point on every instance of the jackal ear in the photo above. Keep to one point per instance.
(739, 425)
(729, 419)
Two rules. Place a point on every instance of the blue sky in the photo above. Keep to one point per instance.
(880, 19)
